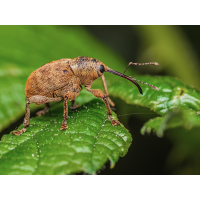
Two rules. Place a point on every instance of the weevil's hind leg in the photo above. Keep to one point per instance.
(38, 99)
(99, 94)
(26, 121)
(42, 112)
(106, 91)
(43, 100)
(73, 105)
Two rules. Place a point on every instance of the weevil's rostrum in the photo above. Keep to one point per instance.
(64, 79)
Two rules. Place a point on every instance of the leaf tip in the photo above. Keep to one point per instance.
(112, 165)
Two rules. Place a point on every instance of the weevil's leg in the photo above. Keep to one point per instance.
(26, 121)
(71, 96)
(73, 105)
(42, 112)
(38, 100)
(99, 94)
(65, 114)
(27, 115)
(106, 91)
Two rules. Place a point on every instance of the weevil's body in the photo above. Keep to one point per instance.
(51, 81)
(63, 79)
(55, 79)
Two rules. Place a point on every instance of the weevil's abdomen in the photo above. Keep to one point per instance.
(49, 78)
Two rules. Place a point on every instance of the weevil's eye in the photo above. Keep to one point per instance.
(101, 68)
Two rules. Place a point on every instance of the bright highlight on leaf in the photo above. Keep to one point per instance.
(85, 146)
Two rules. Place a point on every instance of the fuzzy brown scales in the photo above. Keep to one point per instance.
(85, 69)
(63, 79)
(49, 78)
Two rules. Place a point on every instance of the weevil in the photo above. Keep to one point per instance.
(63, 79)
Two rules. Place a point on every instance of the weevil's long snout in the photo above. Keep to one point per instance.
(124, 76)
(133, 80)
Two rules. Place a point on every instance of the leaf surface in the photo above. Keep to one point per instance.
(85, 146)
(176, 102)
(172, 93)
(175, 118)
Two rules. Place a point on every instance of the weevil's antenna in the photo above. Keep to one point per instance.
(154, 87)
(150, 63)
(133, 80)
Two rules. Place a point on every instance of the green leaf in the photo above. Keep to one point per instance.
(172, 94)
(84, 147)
(175, 118)
(26, 48)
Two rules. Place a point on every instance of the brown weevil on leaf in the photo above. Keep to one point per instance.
(63, 79)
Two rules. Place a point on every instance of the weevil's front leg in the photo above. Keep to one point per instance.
(42, 112)
(26, 121)
(99, 94)
(106, 91)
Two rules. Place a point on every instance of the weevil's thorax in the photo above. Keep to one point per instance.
(86, 68)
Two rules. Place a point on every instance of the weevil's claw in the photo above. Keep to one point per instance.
(113, 122)
(19, 132)
(64, 126)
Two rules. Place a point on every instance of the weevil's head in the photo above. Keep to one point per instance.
(101, 68)
(87, 69)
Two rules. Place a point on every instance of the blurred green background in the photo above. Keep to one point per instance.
(176, 48)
